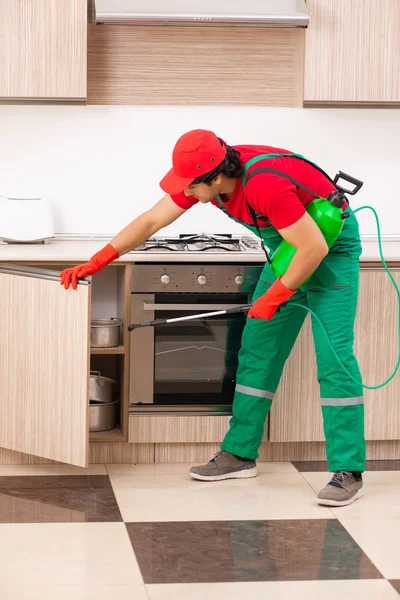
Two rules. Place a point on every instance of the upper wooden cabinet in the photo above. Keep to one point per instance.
(352, 51)
(221, 66)
(43, 49)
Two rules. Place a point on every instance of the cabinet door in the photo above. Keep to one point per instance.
(43, 49)
(296, 412)
(296, 409)
(376, 347)
(353, 51)
(44, 365)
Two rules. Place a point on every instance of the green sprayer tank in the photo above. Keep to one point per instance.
(328, 215)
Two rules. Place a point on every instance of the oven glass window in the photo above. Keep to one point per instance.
(196, 361)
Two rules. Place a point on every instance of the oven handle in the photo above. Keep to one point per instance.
(186, 307)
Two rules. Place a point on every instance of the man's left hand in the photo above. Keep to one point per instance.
(266, 306)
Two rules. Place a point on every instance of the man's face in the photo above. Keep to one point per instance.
(203, 192)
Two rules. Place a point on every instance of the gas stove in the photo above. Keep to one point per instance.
(213, 243)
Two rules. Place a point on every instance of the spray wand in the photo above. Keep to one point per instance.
(216, 313)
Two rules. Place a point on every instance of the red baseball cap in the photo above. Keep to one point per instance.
(195, 153)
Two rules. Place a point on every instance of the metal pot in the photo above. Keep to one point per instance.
(103, 415)
(105, 333)
(101, 388)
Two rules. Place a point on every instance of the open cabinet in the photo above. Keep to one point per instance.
(44, 364)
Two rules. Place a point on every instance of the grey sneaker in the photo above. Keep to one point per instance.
(224, 466)
(342, 490)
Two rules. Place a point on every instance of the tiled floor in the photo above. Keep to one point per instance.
(149, 532)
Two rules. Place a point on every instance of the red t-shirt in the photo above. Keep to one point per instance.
(271, 196)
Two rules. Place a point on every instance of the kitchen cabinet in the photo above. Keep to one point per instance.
(352, 52)
(224, 66)
(45, 371)
(43, 53)
(296, 413)
(44, 366)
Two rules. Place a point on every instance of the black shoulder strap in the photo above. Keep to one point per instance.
(286, 176)
(254, 217)
(281, 174)
(278, 173)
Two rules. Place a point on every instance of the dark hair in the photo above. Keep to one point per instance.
(230, 167)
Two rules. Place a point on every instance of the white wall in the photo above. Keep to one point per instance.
(101, 165)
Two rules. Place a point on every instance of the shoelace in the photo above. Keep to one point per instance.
(339, 476)
(217, 454)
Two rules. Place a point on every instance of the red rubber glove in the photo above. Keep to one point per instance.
(104, 257)
(266, 306)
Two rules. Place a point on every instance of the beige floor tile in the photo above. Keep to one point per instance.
(67, 554)
(292, 590)
(380, 499)
(379, 538)
(21, 470)
(318, 480)
(382, 478)
(149, 469)
(171, 497)
(74, 592)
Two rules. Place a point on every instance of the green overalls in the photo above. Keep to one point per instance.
(332, 294)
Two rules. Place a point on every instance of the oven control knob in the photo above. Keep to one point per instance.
(239, 279)
(202, 279)
(165, 279)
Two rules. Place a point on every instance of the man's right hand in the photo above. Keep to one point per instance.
(72, 274)
(97, 262)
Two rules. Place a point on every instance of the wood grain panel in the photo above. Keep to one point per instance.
(173, 65)
(124, 309)
(177, 429)
(376, 347)
(43, 49)
(121, 453)
(353, 51)
(296, 411)
(44, 368)
(284, 451)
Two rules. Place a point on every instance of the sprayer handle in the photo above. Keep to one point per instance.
(357, 182)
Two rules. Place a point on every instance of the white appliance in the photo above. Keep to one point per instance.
(25, 220)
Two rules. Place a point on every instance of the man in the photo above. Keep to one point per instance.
(269, 197)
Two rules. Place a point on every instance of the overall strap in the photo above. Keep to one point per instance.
(281, 155)
(254, 217)
(246, 177)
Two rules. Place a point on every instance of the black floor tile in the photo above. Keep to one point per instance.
(57, 499)
(396, 584)
(231, 551)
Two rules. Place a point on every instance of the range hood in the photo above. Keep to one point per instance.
(203, 13)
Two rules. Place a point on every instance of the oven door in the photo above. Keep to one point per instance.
(190, 363)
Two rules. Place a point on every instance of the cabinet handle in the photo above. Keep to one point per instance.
(37, 273)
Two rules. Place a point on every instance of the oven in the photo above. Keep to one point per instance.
(189, 364)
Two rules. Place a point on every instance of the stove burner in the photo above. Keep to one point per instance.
(186, 242)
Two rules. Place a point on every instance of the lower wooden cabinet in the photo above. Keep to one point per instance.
(44, 365)
(296, 413)
(46, 359)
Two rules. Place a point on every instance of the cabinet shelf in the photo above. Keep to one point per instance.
(114, 350)
(107, 436)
